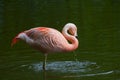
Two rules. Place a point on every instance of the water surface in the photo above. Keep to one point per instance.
(98, 55)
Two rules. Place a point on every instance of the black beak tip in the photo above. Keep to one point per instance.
(76, 37)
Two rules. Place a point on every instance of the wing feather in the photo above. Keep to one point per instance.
(49, 40)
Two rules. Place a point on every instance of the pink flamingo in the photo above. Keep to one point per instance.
(49, 40)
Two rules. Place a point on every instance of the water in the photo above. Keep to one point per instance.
(97, 57)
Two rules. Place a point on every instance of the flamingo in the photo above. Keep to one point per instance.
(48, 40)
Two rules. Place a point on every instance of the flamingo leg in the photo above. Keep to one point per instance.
(44, 62)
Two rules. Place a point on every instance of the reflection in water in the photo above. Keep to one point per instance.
(44, 75)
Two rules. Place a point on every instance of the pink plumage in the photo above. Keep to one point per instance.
(49, 40)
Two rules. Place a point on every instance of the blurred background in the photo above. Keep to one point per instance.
(98, 23)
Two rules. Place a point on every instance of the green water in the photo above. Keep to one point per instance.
(98, 55)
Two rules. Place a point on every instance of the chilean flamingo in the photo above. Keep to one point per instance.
(49, 40)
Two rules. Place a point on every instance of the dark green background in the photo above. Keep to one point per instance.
(98, 23)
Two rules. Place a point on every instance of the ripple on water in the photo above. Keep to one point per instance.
(69, 67)
(65, 66)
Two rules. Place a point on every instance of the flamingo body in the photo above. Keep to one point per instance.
(49, 40)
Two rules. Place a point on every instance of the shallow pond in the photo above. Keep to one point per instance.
(98, 55)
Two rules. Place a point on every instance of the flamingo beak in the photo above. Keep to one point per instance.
(14, 41)
(76, 37)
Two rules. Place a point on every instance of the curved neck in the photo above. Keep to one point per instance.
(72, 39)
